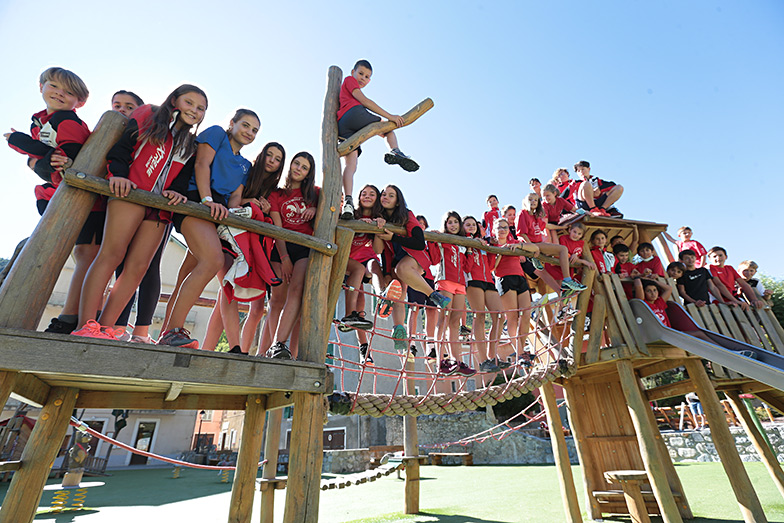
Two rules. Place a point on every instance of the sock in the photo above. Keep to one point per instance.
(349, 200)
(68, 318)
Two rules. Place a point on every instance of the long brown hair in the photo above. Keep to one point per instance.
(375, 211)
(398, 215)
(308, 185)
(261, 183)
(158, 124)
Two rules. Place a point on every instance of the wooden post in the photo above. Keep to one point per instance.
(7, 382)
(661, 242)
(244, 486)
(748, 502)
(343, 239)
(638, 410)
(411, 451)
(597, 328)
(758, 439)
(306, 456)
(270, 469)
(40, 262)
(369, 131)
(24, 493)
(578, 323)
(583, 451)
(561, 455)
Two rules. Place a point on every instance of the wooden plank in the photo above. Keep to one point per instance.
(343, 239)
(748, 502)
(279, 400)
(242, 490)
(108, 359)
(43, 256)
(100, 186)
(7, 383)
(656, 368)
(748, 331)
(732, 323)
(584, 451)
(774, 321)
(629, 315)
(670, 390)
(613, 332)
(664, 248)
(615, 310)
(27, 484)
(578, 323)
(598, 317)
(675, 296)
(174, 390)
(6, 466)
(719, 320)
(30, 390)
(646, 437)
(758, 440)
(270, 469)
(707, 318)
(561, 455)
(91, 399)
(383, 127)
(410, 450)
(695, 314)
(755, 324)
(773, 335)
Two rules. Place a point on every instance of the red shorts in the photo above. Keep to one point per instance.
(450, 286)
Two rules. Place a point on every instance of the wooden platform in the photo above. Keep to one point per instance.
(123, 375)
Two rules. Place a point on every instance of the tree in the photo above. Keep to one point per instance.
(777, 286)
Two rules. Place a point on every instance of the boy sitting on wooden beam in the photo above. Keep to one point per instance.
(354, 113)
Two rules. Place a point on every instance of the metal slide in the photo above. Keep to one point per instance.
(764, 366)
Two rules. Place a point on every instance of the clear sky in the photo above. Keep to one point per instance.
(680, 102)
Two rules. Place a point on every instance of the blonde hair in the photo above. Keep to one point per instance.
(748, 264)
(70, 80)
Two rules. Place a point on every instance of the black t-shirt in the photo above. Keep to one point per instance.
(695, 283)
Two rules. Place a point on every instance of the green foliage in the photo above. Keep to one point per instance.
(777, 286)
(223, 343)
(665, 378)
(506, 409)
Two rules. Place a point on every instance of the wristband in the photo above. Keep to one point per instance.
(206, 199)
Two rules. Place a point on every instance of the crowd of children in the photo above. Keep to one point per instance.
(162, 151)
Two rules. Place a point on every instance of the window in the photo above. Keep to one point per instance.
(207, 415)
(454, 385)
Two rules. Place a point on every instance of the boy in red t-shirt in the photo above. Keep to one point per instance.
(650, 265)
(491, 215)
(648, 291)
(727, 275)
(353, 115)
(685, 242)
(623, 267)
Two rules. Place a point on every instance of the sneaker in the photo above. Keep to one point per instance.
(279, 351)
(412, 352)
(393, 292)
(465, 370)
(571, 285)
(344, 327)
(566, 312)
(465, 331)
(399, 336)
(364, 355)
(502, 364)
(536, 263)
(59, 326)
(348, 209)
(142, 339)
(598, 211)
(93, 329)
(396, 156)
(124, 335)
(748, 353)
(178, 337)
(357, 321)
(489, 366)
(439, 300)
(447, 367)
(431, 354)
(615, 213)
(236, 350)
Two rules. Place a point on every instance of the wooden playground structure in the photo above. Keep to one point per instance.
(613, 424)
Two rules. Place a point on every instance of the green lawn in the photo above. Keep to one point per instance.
(478, 494)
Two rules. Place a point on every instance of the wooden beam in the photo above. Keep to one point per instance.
(98, 185)
(578, 323)
(43, 256)
(773, 334)
(615, 307)
(598, 317)
(731, 322)
(646, 437)
(561, 455)
(279, 400)
(244, 485)
(749, 504)
(628, 315)
(670, 390)
(410, 450)
(270, 469)
(7, 383)
(75, 355)
(343, 239)
(99, 399)
(748, 331)
(7, 466)
(27, 484)
(656, 368)
(383, 127)
(30, 390)
(757, 439)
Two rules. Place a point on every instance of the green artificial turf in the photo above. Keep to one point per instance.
(478, 494)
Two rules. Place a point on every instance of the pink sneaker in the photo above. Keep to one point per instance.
(93, 329)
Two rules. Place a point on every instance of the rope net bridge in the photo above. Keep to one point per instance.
(547, 357)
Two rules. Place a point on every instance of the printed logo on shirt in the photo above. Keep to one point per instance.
(155, 159)
(293, 210)
(48, 135)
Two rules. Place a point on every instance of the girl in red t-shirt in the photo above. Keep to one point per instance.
(531, 228)
(556, 208)
(604, 260)
(293, 207)
(648, 291)
(404, 256)
(483, 296)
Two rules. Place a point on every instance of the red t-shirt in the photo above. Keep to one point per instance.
(291, 205)
(654, 265)
(534, 228)
(624, 268)
(726, 275)
(450, 260)
(478, 266)
(659, 308)
(598, 258)
(347, 100)
(568, 190)
(574, 247)
(556, 210)
(508, 265)
(362, 248)
(694, 245)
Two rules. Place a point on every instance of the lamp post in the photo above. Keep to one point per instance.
(198, 437)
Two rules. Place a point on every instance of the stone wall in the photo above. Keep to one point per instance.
(698, 445)
(346, 461)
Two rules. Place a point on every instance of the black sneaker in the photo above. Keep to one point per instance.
(432, 355)
(395, 156)
(502, 364)
(615, 213)
(59, 326)
(279, 351)
(236, 350)
(364, 355)
(357, 321)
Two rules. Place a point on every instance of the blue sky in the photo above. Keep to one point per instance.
(678, 101)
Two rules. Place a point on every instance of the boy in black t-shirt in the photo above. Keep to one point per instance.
(696, 282)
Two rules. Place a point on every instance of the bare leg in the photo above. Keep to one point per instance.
(255, 314)
(83, 257)
(291, 309)
(561, 252)
(509, 303)
(214, 326)
(476, 300)
(391, 139)
(350, 161)
(409, 272)
(356, 271)
(188, 264)
(613, 195)
(494, 305)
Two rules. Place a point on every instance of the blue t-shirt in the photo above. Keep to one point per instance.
(228, 170)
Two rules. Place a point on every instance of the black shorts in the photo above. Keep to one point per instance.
(193, 196)
(353, 120)
(296, 253)
(599, 201)
(512, 282)
(529, 269)
(92, 228)
(416, 297)
(479, 284)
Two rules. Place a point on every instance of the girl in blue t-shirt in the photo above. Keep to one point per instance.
(219, 175)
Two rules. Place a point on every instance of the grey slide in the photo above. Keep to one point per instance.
(753, 362)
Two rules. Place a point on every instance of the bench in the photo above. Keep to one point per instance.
(630, 481)
(437, 457)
